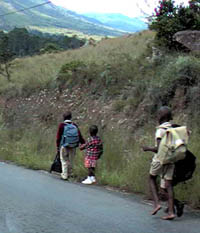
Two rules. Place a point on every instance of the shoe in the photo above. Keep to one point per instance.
(64, 177)
(179, 209)
(93, 179)
(87, 181)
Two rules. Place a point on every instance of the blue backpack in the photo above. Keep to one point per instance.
(70, 137)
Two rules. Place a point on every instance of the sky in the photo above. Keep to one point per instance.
(131, 8)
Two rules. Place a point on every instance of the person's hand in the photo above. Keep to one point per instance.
(145, 148)
(58, 152)
(82, 146)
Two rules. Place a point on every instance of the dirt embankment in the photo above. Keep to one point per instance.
(47, 107)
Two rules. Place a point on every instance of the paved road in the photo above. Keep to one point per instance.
(38, 202)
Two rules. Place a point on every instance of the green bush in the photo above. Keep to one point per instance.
(50, 48)
(176, 72)
(70, 73)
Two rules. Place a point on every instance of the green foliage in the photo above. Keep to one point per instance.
(169, 19)
(20, 42)
(180, 72)
(70, 73)
(72, 66)
(6, 56)
(50, 47)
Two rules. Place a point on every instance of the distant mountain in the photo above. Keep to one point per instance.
(50, 17)
(119, 21)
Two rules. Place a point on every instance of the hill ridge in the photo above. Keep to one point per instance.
(50, 16)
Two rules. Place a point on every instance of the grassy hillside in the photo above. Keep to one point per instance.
(49, 16)
(118, 85)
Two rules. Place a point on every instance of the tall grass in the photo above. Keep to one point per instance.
(30, 148)
(123, 164)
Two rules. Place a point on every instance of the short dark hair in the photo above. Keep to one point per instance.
(165, 113)
(93, 130)
(67, 115)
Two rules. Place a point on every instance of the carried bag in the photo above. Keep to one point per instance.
(56, 165)
(173, 145)
(185, 168)
(70, 137)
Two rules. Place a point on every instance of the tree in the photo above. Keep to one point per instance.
(5, 56)
(19, 41)
(50, 48)
(169, 18)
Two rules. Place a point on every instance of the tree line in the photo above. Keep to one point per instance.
(19, 42)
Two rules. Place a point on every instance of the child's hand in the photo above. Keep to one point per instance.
(58, 153)
(145, 148)
(82, 146)
(150, 149)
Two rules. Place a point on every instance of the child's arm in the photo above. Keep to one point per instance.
(152, 149)
(82, 146)
(59, 136)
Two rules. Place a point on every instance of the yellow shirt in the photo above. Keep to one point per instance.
(160, 131)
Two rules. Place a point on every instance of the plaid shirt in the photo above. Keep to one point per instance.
(94, 147)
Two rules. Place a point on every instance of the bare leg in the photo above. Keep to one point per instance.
(170, 192)
(91, 171)
(153, 187)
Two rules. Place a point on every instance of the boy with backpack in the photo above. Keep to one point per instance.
(158, 169)
(67, 139)
(94, 150)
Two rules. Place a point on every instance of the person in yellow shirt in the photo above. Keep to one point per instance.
(157, 169)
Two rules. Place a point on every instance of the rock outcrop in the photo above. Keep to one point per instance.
(190, 39)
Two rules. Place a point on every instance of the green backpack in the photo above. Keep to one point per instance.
(173, 145)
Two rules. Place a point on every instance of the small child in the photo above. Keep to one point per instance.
(94, 150)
